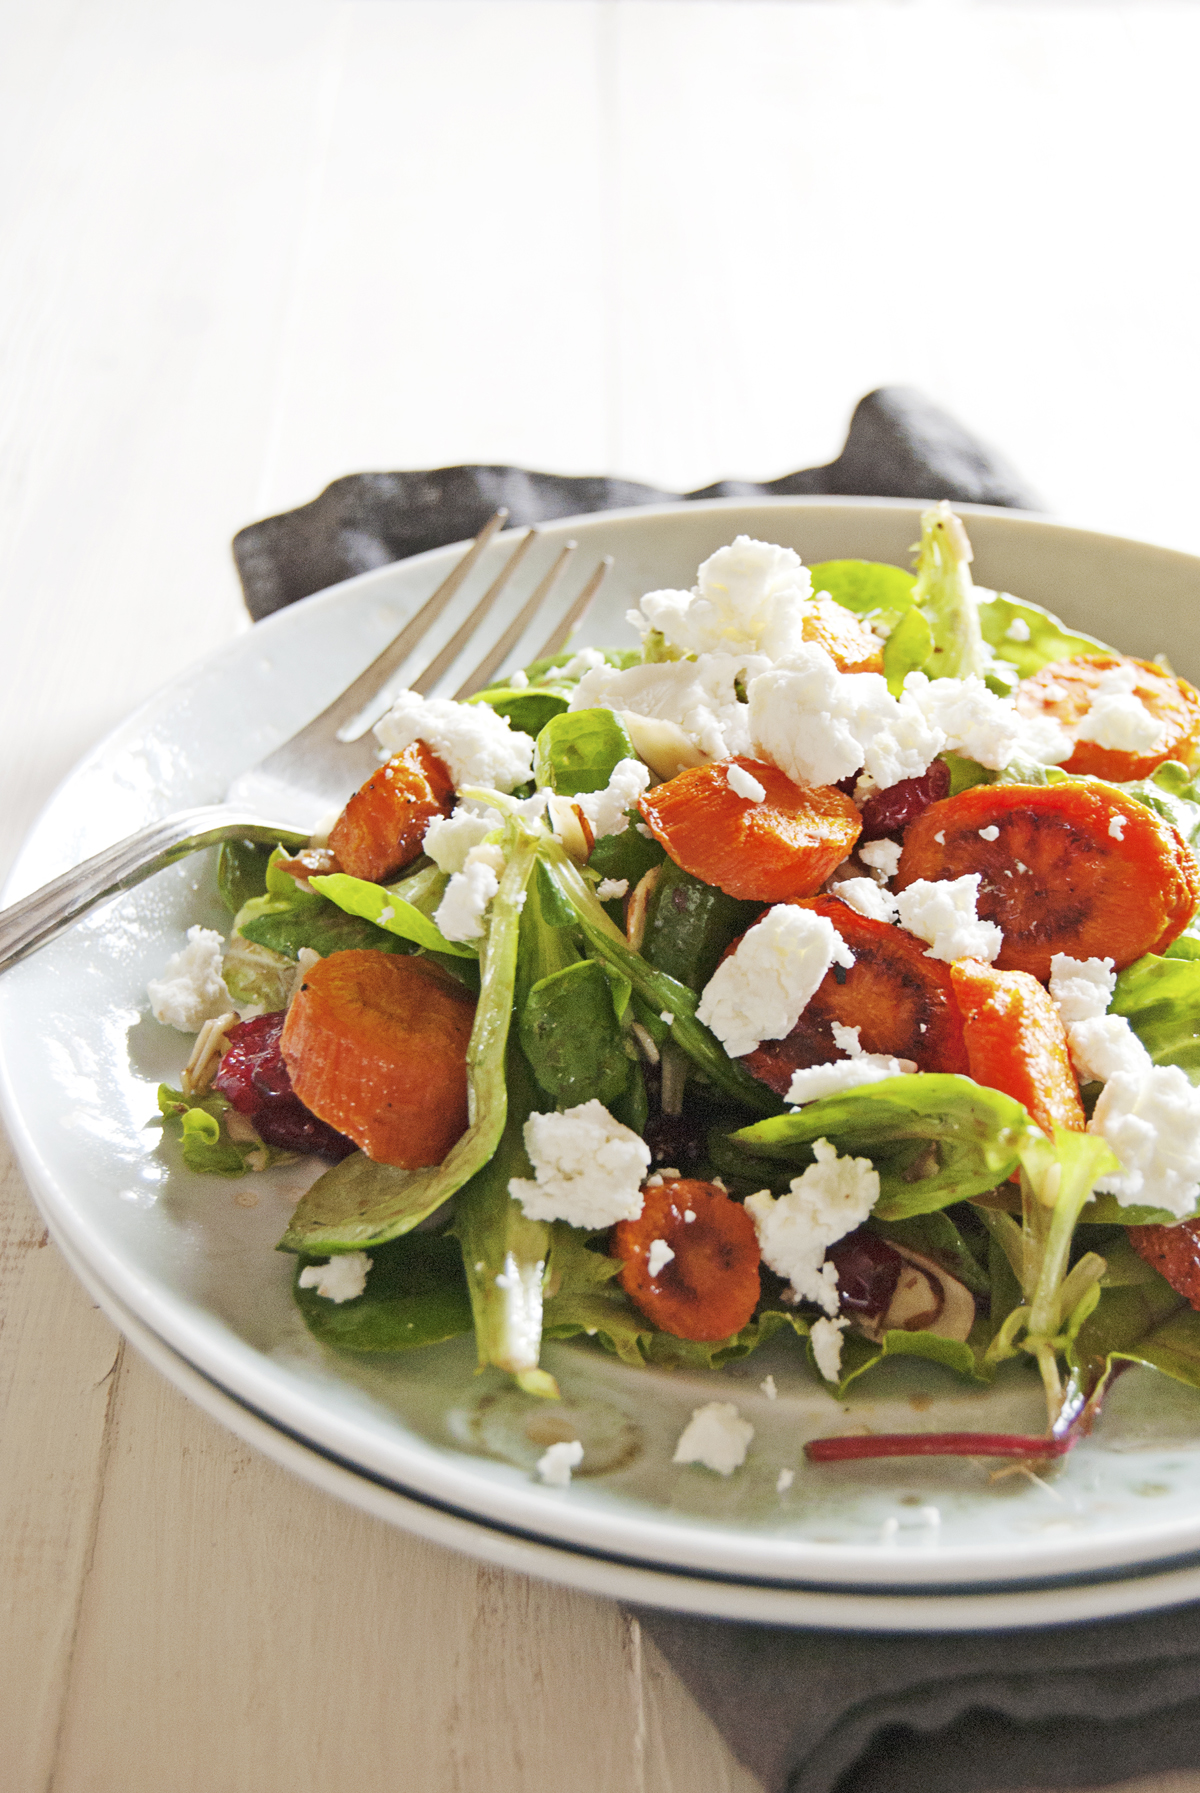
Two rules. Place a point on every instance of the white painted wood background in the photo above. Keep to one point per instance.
(249, 245)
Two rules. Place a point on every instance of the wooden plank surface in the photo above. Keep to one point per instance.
(248, 247)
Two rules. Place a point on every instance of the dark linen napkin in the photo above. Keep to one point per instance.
(819, 1711)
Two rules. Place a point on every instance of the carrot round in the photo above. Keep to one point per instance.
(849, 643)
(770, 851)
(1016, 1042)
(1074, 868)
(1174, 1251)
(376, 1044)
(901, 1001)
(381, 828)
(1066, 690)
(710, 1287)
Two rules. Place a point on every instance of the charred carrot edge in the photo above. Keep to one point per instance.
(935, 1444)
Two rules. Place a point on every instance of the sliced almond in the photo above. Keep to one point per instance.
(663, 745)
(638, 906)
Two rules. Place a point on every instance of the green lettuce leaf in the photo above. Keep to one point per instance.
(1049, 639)
(1160, 999)
(860, 1354)
(945, 593)
(1144, 1322)
(571, 1037)
(241, 872)
(391, 912)
(689, 924)
(933, 1138)
(198, 1122)
(1174, 794)
(906, 649)
(287, 918)
(416, 1294)
(870, 588)
(579, 751)
(257, 976)
(358, 1203)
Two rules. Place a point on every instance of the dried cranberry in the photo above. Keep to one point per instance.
(868, 1270)
(289, 1126)
(679, 1141)
(887, 812)
(254, 1079)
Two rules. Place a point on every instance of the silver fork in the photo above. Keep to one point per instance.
(285, 796)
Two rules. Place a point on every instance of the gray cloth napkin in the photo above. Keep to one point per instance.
(818, 1711)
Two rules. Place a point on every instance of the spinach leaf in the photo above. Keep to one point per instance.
(1172, 793)
(416, 1294)
(690, 924)
(628, 855)
(1145, 1323)
(860, 1354)
(287, 918)
(906, 649)
(527, 708)
(936, 1236)
(199, 1124)
(579, 751)
(358, 1203)
(388, 910)
(1048, 638)
(1160, 998)
(569, 1034)
(871, 588)
(933, 1138)
(241, 872)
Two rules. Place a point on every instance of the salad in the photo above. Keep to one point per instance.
(825, 963)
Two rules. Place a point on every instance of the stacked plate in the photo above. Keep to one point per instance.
(188, 1271)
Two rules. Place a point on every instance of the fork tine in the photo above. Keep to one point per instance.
(425, 683)
(355, 698)
(559, 634)
(500, 652)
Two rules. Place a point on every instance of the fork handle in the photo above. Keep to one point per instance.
(45, 913)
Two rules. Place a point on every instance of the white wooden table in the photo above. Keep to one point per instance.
(253, 244)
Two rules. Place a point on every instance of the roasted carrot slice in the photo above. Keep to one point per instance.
(1174, 1251)
(709, 1288)
(381, 828)
(1065, 868)
(771, 851)
(901, 1001)
(849, 643)
(1066, 690)
(376, 1044)
(1016, 1042)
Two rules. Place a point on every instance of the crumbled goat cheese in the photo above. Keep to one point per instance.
(716, 1436)
(882, 856)
(588, 1168)
(826, 1336)
(1151, 1119)
(460, 913)
(992, 833)
(750, 597)
(474, 741)
(769, 1389)
(609, 890)
(1105, 1046)
(586, 660)
(760, 991)
(869, 898)
(1082, 988)
(342, 1279)
(975, 722)
(847, 1039)
(744, 784)
(1117, 827)
(448, 839)
(555, 1465)
(826, 1202)
(658, 1256)
(699, 697)
(517, 681)
(688, 1215)
(667, 1016)
(840, 1074)
(1017, 630)
(1118, 718)
(942, 911)
(784, 1480)
(606, 810)
(191, 989)
(820, 725)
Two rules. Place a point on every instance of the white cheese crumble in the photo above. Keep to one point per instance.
(744, 784)
(975, 722)
(1151, 1119)
(715, 1436)
(824, 1203)
(461, 911)
(555, 1465)
(760, 991)
(1082, 988)
(847, 1039)
(820, 725)
(1017, 630)
(342, 1279)
(517, 681)
(191, 989)
(474, 742)
(606, 810)
(688, 1215)
(784, 1480)
(658, 1257)
(699, 697)
(749, 597)
(992, 833)
(882, 856)
(586, 660)
(1117, 717)
(448, 839)
(1106, 1046)
(840, 1074)
(609, 890)
(942, 911)
(588, 1168)
(1116, 827)
(826, 1336)
(768, 1388)
(870, 899)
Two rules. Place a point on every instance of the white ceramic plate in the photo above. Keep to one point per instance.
(80, 1062)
